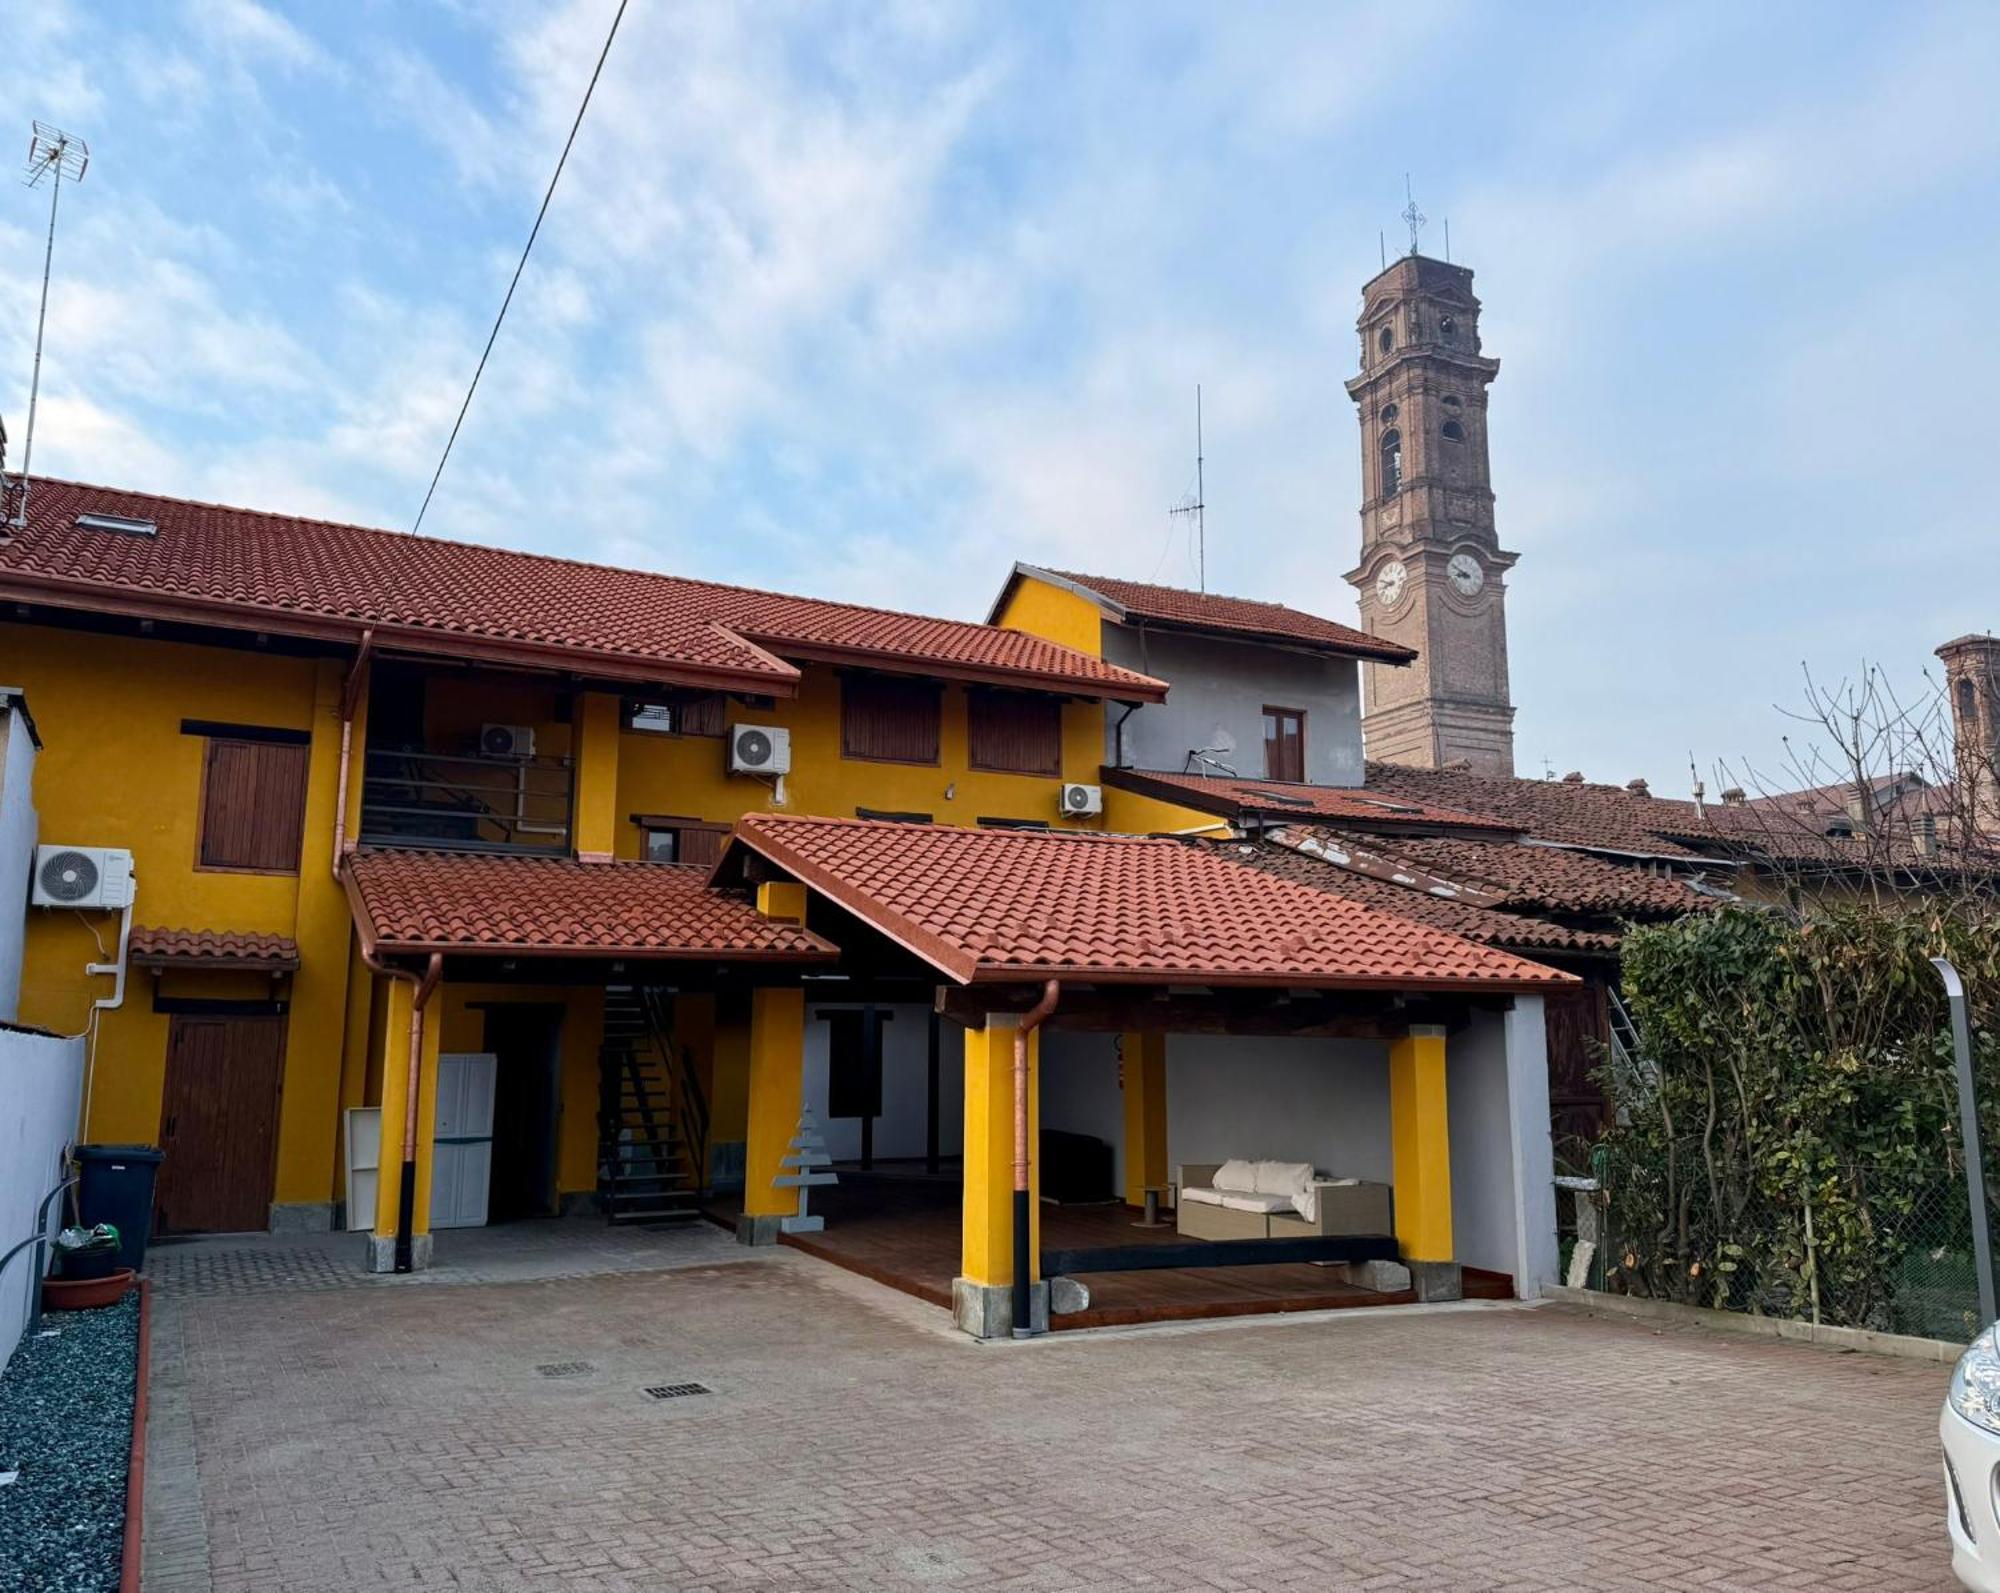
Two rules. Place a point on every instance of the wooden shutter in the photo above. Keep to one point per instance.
(703, 715)
(253, 805)
(889, 718)
(1014, 731)
(702, 844)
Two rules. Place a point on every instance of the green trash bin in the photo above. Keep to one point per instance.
(115, 1185)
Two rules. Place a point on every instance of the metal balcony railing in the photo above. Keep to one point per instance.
(466, 803)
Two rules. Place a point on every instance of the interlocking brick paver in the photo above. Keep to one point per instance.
(406, 1437)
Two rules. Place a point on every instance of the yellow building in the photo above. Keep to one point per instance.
(463, 890)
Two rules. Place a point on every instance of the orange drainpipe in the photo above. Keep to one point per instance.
(1023, 1206)
(350, 694)
(406, 1193)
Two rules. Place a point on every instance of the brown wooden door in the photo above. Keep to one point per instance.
(1579, 1035)
(219, 1124)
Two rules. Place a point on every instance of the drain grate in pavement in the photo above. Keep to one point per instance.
(566, 1369)
(677, 1390)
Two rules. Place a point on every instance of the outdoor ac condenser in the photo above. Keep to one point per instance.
(97, 877)
(759, 749)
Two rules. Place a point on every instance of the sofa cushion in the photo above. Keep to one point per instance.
(1238, 1175)
(1203, 1197)
(1259, 1203)
(1289, 1179)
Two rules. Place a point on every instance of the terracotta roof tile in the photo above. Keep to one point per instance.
(1012, 905)
(1515, 932)
(1605, 817)
(213, 948)
(1231, 616)
(298, 576)
(478, 902)
(1551, 877)
(1349, 804)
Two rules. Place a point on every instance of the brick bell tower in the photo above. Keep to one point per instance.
(1432, 572)
(1972, 677)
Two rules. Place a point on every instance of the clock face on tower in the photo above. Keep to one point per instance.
(1389, 582)
(1465, 574)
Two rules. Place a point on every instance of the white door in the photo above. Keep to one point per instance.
(462, 1153)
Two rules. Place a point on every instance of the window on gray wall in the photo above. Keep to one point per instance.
(1285, 744)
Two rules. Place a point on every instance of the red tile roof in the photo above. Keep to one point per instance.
(218, 949)
(295, 576)
(1515, 932)
(1014, 905)
(1224, 616)
(1551, 877)
(1575, 813)
(471, 902)
(1353, 805)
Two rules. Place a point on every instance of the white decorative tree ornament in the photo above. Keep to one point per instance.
(808, 1160)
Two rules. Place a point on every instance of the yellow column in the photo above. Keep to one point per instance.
(309, 1109)
(1142, 1061)
(986, 1235)
(777, 1084)
(1421, 1142)
(596, 776)
(395, 1087)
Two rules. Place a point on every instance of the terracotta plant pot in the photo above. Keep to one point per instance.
(85, 1294)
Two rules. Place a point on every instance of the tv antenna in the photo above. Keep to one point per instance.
(53, 154)
(1194, 505)
(1413, 218)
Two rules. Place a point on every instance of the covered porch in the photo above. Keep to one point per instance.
(1124, 1017)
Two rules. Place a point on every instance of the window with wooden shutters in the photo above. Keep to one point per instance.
(253, 809)
(889, 719)
(1284, 744)
(1015, 732)
(676, 840)
(703, 715)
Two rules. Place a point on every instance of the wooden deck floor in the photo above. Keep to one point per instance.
(904, 1232)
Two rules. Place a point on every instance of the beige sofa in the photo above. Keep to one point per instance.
(1275, 1200)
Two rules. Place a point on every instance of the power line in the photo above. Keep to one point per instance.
(527, 249)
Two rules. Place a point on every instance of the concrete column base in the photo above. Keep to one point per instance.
(304, 1216)
(986, 1310)
(758, 1230)
(382, 1252)
(1437, 1280)
(580, 1203)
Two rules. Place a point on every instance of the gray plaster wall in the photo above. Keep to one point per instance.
(1502, 1163)
(1224, 686)
(1081, 1093)
(17, 851)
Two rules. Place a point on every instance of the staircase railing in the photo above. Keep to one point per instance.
(690, 1100)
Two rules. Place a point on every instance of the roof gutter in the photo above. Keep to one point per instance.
(1031, 1020)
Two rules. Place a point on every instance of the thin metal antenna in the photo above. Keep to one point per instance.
(1412, 216)
(1197, 505)
(1382, 243)
(1447, 240)
(52, 153)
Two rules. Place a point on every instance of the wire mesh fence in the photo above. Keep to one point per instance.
(1884, 1245)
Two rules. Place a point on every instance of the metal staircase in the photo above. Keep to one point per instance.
(652, 1119)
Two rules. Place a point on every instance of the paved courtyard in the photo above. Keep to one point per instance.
(499, 1435)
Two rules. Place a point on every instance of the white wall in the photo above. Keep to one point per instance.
(899, 1131)
(41, 1090)
(17, 850)
(1502, 1163)
(1319, 1101)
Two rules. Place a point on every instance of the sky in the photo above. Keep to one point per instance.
(869, 300)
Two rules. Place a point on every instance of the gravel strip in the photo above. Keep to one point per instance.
(66, 1427)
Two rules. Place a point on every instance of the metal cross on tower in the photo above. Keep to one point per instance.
(1412, 216)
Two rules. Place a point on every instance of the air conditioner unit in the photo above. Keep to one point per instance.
(759, 749)
(507, 741)
(82, 876)
(1078, 800)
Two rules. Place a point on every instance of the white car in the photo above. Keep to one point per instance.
(1969, 1428)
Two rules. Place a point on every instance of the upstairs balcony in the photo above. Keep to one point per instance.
(467, 802)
